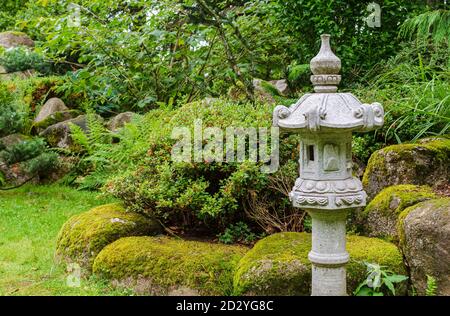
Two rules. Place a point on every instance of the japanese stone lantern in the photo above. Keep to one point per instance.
(326, 188)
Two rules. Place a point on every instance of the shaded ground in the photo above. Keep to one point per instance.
(30, 219)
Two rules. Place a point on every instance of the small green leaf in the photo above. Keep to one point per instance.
(396, 278)
(389, 285)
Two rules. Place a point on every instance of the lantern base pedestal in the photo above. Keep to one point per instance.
(328, 255)
(327, 281)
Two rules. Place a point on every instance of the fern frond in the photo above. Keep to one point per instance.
(433, 24)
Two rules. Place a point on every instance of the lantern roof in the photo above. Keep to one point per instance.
(326, 109)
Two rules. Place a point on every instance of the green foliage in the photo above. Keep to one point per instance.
(23, 151)
(379, 281)
(11, 120)
(33, 156)
(360, 47)
(8, 10)
(127, 58)
(43, 164)
(21, 58)
(299, 75)
(433, 24)
(237, 233)
(364, 145)
(431, 286)
(194, 195)
(413, 88)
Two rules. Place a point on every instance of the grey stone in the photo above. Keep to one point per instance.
(120, 120)
(380, 217)
(425, 244)
(58, 135)
(14, 39)
(50, 107)
(281, 85)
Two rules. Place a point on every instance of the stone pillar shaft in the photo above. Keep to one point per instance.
(328, 254)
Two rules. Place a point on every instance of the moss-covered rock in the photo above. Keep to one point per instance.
(279, 265)
(380, 217)
(54, 118)
(168, 266)
(84, 235)
(424, 231)
(59, 134)
(426, 162)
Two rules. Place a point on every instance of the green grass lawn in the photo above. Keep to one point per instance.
(30, 219)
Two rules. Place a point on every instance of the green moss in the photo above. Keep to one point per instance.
(279, 265)
(376, 162)
(167, 264)
(438, 148)
(84, 235)
(404, 195)
(56, 118)
(15, 33)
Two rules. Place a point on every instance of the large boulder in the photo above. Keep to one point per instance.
(168, 266)
(50, 107)
(14, 39)
(380, 217)
(83, 236)
(120, 120)
(279, 265)
(426, 162)
(59, 134)
(424, 238)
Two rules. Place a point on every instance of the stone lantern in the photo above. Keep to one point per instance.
(326, 188)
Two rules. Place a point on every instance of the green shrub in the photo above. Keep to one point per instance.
(23, 151)
(239, 232)
(194, 195)
(21, 59)
(42, 164)
(11, 119)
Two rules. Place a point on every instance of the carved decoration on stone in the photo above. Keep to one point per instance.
(349, 200)
(351, 185)
(306, 200)
(331, 157)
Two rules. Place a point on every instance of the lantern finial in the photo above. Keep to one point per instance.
(325, 67)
